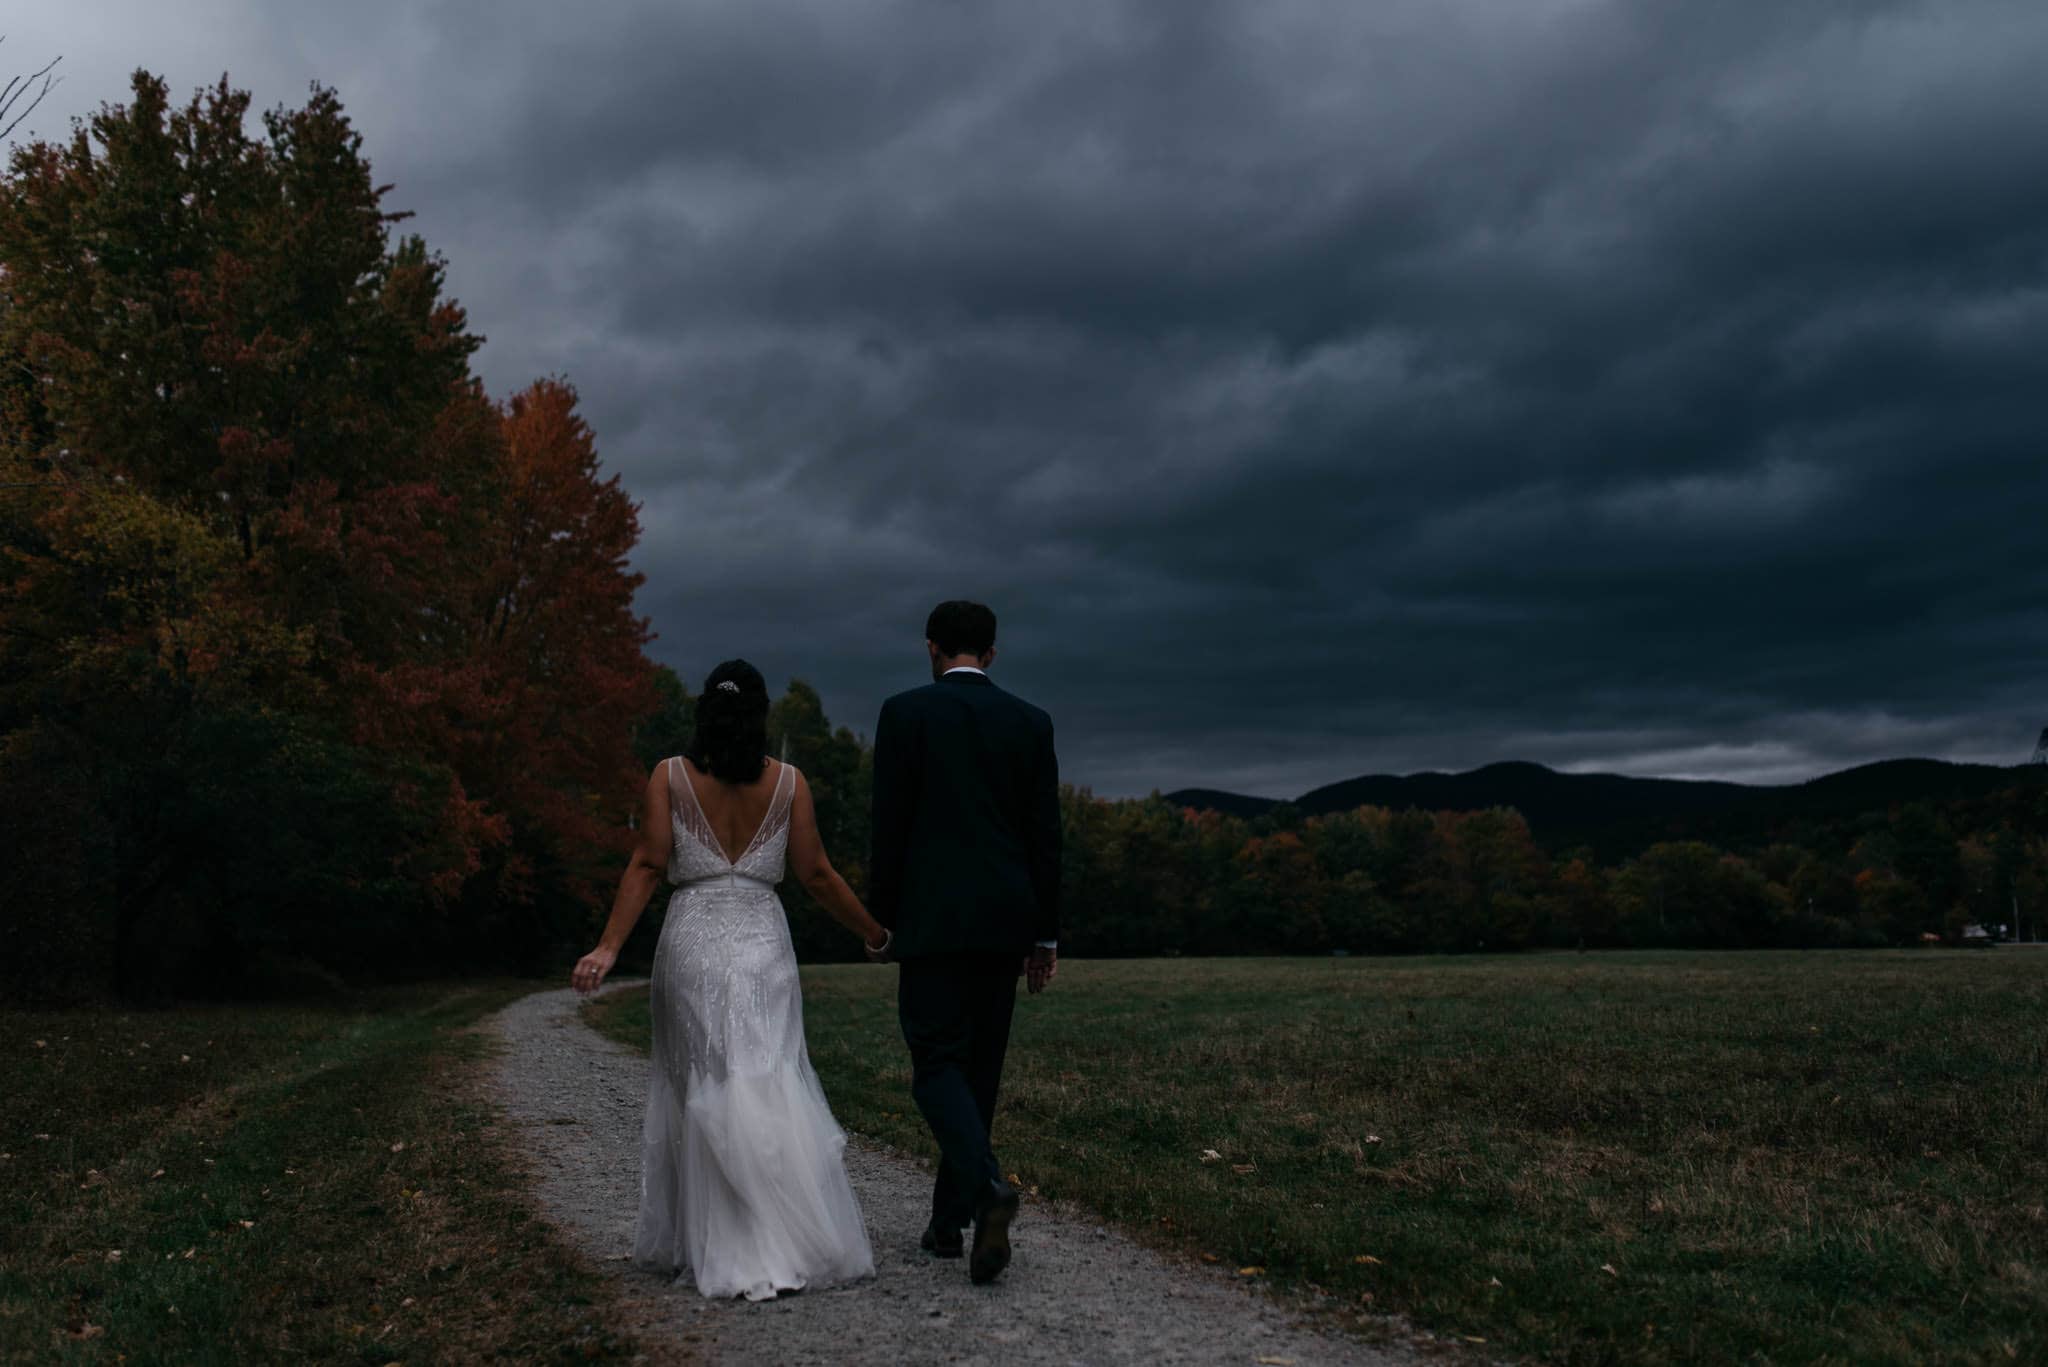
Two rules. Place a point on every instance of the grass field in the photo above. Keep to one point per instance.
(1732, 1157)
(273, 1183)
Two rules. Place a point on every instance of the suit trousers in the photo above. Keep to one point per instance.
(955, 1010)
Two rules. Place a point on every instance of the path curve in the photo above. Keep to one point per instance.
(1075, 1293)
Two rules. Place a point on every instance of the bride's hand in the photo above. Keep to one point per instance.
(591, 968)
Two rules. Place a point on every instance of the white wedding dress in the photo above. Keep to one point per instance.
(742, 1167)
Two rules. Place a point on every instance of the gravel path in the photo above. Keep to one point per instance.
(1075, 1291)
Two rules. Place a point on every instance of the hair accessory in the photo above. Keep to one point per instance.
(728, 686)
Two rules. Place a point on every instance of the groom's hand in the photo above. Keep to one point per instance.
(1039, 968)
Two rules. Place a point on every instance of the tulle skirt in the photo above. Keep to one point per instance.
(743, 1180)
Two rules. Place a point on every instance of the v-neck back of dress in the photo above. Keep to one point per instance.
(695, 853)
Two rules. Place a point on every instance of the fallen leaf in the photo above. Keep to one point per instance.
(1608, 1268)
(87, 1331)
(396, 1147)
(407, 1301)
(1372, 1139)
(158, 1173)
(246, 1224)
(1253, 1271)
(1210, 1155)
(184, 1058)
(1366, 1258)
(42, 1136)
(1242, 1168)
(190, 1251)
(113, 1255)
(42, 1044)
(1275, 1362)
(1493, 1281)
(1469, 1338)
(1211, 1258)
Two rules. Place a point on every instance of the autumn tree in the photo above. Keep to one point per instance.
(255, 492)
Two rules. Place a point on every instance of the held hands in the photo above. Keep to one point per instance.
(1038, 969)
(591, 968)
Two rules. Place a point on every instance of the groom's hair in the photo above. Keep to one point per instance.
(958, 627)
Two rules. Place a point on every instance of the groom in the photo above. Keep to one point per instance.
(965, 875)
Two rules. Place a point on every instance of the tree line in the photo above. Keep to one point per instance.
(1144, 876)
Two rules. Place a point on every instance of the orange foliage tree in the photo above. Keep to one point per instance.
(332, 657)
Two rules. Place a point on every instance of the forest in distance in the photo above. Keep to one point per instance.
(1887, 855)
(319, 664)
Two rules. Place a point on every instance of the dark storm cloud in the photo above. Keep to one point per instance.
(1314, 388)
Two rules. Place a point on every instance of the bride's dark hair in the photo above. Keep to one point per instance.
(731, 736)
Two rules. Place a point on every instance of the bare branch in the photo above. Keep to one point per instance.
(17, 88)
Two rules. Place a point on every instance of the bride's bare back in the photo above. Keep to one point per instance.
(734, 811)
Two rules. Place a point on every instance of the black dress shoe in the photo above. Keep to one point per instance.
(992, 1233)
(942, 1241)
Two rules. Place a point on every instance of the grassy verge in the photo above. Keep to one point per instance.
(1645, 1157)
(272, 1183)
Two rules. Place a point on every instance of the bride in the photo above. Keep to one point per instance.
(742, 1173)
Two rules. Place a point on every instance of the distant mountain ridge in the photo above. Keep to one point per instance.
(1616, 813)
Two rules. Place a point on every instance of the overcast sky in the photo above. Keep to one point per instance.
(1313, 389)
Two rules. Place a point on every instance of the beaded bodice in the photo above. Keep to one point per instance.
(694, 854)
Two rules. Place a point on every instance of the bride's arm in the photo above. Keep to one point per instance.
(644, 872)
(814, 870)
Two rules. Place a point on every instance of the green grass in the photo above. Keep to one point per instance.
(274, 1183)
(1641, 1157)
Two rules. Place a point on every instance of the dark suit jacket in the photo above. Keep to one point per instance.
(966, 821)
